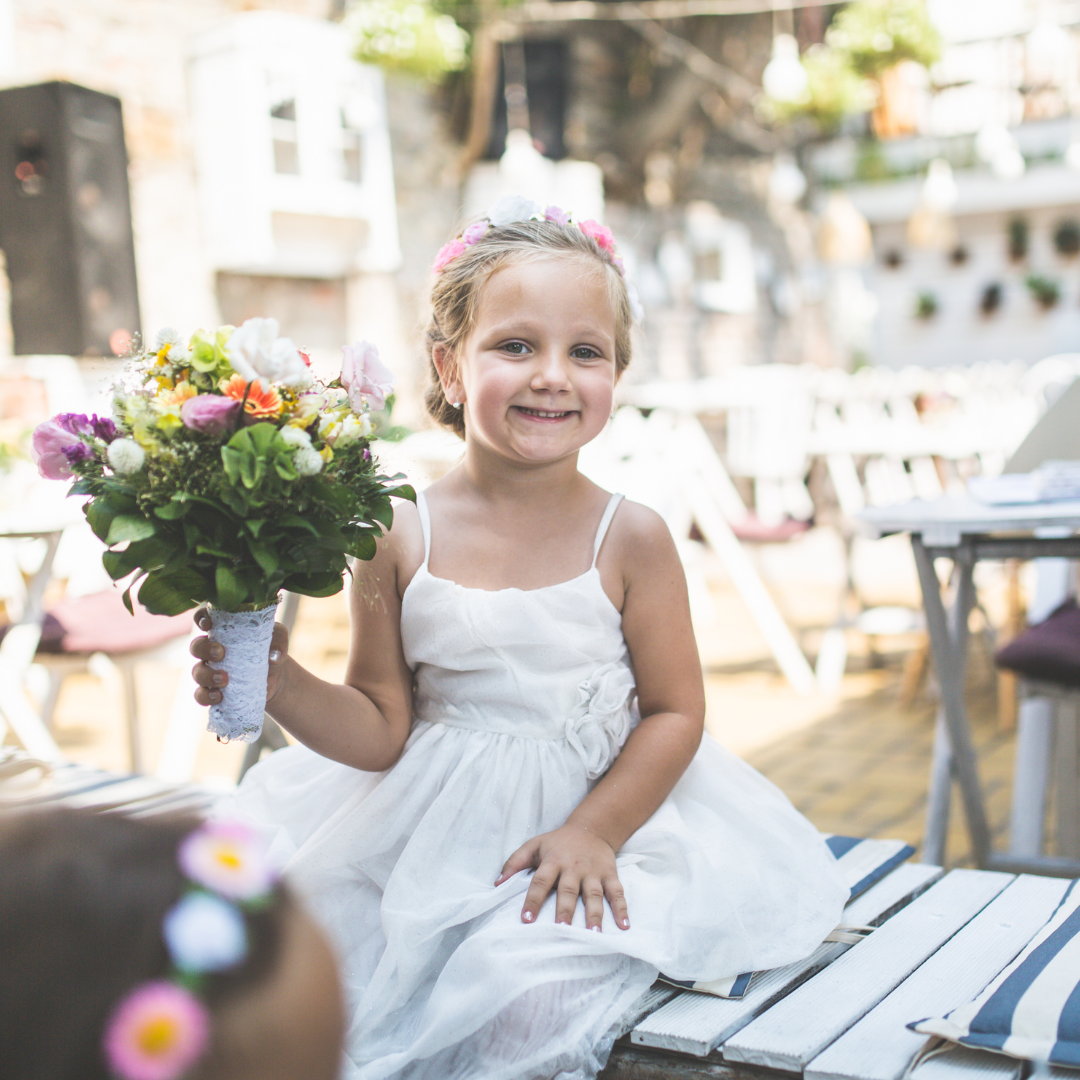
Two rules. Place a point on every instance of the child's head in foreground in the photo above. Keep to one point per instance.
(586, 263)
(156, 950)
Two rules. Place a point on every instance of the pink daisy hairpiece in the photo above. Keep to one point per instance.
(161, 1028)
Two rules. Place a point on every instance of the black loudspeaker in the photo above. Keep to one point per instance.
(65, 220)
(546, 64)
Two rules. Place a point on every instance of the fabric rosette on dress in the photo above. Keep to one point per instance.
(603, 718)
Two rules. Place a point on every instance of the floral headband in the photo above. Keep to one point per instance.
(513, 208)
(161, 1029)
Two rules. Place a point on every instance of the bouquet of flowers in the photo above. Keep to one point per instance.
(227, 473)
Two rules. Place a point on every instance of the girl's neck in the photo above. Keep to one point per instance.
(495, 479)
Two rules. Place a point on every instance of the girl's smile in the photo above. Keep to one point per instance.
(537, 374)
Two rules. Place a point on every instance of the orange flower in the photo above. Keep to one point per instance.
(178, 395)
(264, 404)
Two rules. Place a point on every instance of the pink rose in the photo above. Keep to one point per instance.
(211, 414)
(447, 254)
(365, 376)
(600, 233)
(559, 217)
(474, 232)
(48, 445)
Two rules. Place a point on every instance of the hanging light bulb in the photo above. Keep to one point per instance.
(997, 147)
(932, 226)
(784, 78)
(787, 184)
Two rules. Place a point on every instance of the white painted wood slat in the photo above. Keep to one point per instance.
(796, 1029)
(879, 1046)
(697, 1023)
(648, 1003)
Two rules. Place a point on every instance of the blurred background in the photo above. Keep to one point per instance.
(854, 228)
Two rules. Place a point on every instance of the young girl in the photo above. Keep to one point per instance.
(507, 817)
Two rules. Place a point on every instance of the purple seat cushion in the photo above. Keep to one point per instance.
(100, 623)
(1048, 651)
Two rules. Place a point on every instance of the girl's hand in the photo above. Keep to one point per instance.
(211, 680)
(577, 862)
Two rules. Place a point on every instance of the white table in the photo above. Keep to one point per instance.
(965, 531)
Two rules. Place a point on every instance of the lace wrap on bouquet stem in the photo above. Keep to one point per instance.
(603, 718)
(246, 636)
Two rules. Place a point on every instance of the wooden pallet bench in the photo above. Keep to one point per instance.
(841, 1014)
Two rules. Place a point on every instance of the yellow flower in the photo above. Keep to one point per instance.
(177, 396)
(326, 454)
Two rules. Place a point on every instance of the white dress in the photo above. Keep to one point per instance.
(522, 700)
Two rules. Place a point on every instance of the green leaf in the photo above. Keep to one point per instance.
(363, 547)
(100, 514)
(261, 437)
(231, 458)
(129, 527)
(284, 467)
(172, 510)
(230, 592)
(172, 591)
(264, 557)
(383, 513)
(82, 487)
(217, 552)
(325, 584)
(127, 600)
(254, 525)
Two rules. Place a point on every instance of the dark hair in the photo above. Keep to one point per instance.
(82, 899)
(455, 295)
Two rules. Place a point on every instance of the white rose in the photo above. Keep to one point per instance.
(308, 461)
(126, 456)
(511, 208)
(295, 436)
(170, 338)
(256, 352)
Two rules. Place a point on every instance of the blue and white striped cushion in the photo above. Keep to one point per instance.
(862, 862)
(1032, 1009)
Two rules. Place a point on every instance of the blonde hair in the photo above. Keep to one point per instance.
(456, 294)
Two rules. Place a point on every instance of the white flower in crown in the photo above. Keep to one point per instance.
(226, 858)
(256, 352)
(205, 933)
(511, 208)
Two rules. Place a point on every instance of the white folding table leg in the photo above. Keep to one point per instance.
(1066, 791)
(939, 799)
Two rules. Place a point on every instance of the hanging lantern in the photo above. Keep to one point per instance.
(932, 225)
(844, 236)
(784, 78)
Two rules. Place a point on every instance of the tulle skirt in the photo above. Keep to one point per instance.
(443, 980)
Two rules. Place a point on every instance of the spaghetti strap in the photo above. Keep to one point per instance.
(605, 521)
(425, 524)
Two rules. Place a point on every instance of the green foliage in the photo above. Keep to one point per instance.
(410, 36)
(866, 38)
(875, 35)
(1019, 234)
(926, 305)
(1044, 291)
(235, 524)
(1067, 237)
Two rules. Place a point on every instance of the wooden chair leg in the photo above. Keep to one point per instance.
(126, 667)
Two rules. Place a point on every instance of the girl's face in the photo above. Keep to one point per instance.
(537, 374)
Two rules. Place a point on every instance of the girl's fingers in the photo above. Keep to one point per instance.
(616, 898)
(566, 898)
(279, 643)
(207, 697)
(592, 892)
(205, 649)
(522, 859)
(202, 618)
(542, 883)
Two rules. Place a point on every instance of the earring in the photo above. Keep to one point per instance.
(455, 404)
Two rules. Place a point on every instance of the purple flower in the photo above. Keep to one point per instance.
(367, 455)
(49, 446)
(559, 217)
(76, 452)
(75, 423)
(212, 414)
(474, 232)
(104, 428)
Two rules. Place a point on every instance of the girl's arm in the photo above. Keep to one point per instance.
(579, 858)
(364, 722)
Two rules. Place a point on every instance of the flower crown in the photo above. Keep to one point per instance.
(161, 1029)
(514, 208)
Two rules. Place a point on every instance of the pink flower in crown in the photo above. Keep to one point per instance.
(365, 376)
(559, 217)
(474, 232)
(226, 858)
(600, 233)
(157, 1033)
(447, 254)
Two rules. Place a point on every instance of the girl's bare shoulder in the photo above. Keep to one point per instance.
(638, 547)
(400, 550)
